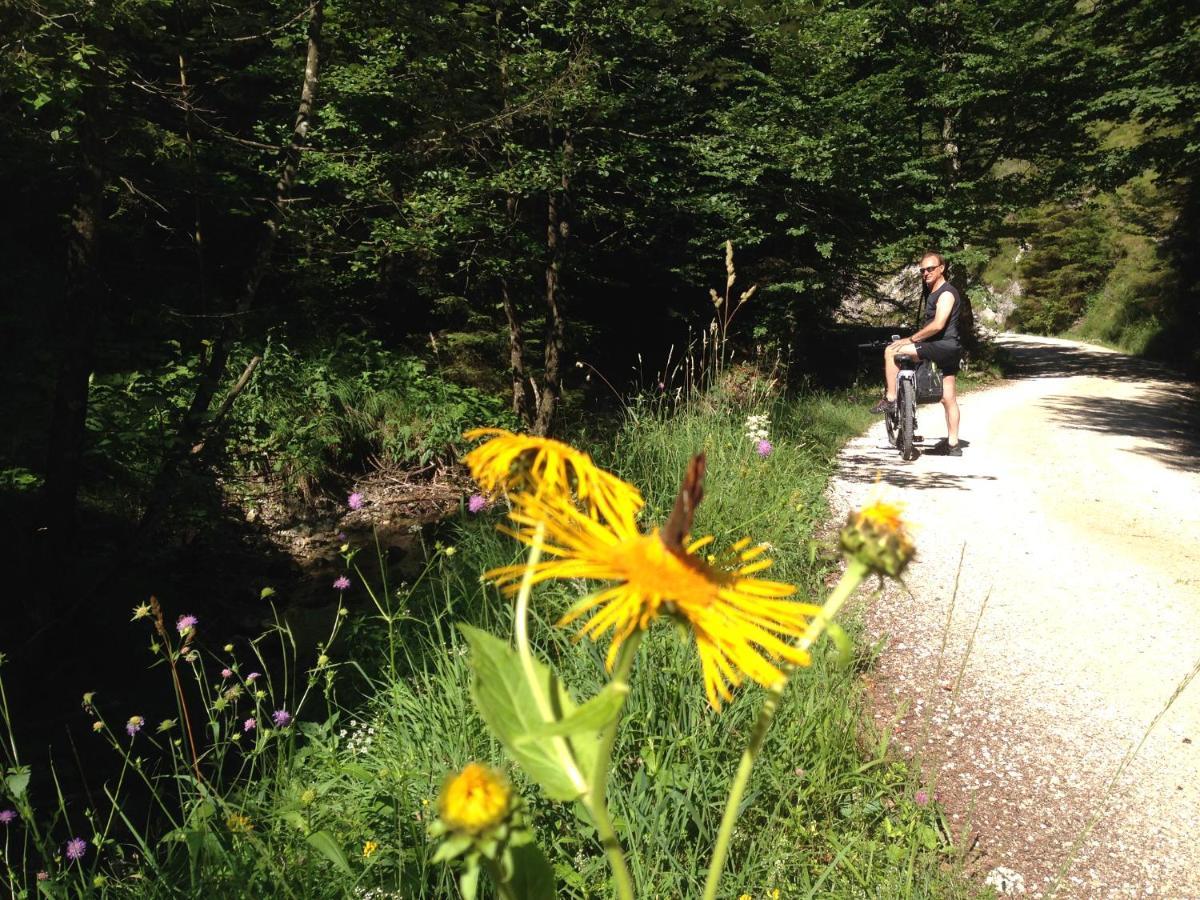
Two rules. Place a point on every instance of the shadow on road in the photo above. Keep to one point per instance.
(1037, 359)
(867, 467)
(1166, 415)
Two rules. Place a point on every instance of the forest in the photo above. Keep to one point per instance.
(262, 265)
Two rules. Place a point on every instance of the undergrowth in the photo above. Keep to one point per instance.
(336, 799)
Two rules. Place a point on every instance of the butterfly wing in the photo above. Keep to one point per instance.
(678, 526)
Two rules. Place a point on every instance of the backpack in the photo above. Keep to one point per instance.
(927, 379)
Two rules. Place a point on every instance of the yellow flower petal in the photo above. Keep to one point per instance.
(742, 626)
(512, 463)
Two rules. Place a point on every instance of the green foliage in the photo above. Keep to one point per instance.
(1064, 266)
(818, 819)
(1111, 269)
(310, 414)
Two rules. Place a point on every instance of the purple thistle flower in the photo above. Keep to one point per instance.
(281, 717)
(76, 847)
(355, 501)
(7, 816)
(249, 725)
(342, 583)
(227, 673)
(921, 798)
(763, 448)
(134, 725)
(253, 677)
(186, 624)
(477, 504)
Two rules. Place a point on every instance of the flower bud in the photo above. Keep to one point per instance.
(475, 799)
(875, 536)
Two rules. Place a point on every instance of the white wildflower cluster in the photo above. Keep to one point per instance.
(758, 428)
(359, 738)
(377, 893)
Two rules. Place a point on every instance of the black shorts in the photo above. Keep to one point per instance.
(947, 354)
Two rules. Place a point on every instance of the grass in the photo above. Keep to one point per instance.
(829, 813)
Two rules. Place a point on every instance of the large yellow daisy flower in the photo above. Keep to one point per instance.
(520, 462)
(742, 624)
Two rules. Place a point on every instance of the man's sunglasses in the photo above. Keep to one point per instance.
(925, 269)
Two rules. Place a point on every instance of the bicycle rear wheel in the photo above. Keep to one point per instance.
(906, 411)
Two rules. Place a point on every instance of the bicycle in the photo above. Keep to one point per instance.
(901, 422)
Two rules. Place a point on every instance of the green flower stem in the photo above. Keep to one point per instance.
(596, 801)
(591, 795)
(525, 652)
(855, 572)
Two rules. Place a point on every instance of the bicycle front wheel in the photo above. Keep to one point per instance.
(906, 411)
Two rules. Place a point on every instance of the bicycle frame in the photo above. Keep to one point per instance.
(901, 424)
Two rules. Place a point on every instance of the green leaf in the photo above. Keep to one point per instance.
(323, 843)
(507, 705)
(841, 640)
(18, 781)
(594, 715)
(468, 881)
(453, 846)
(295, 819)
(531, 878)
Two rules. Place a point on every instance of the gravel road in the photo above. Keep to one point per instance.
(1076, 513)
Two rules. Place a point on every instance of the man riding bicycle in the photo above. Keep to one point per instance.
(937, 340)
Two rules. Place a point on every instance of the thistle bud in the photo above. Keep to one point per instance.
(875, 535)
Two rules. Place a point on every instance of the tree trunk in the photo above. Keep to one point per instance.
(522, 402)
(211, 378)
(557, 231)
(74, 323)
(950, 149)
(516, 358)
(200, 307)
(195, 430)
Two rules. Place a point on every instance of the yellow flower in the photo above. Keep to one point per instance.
(97, 726)
(745, 897)
(742, 624)
(876, 536)
(140, 612)
(773, 894)
(475, 799)
(519, 462)
(368, 848)
(238, 823)
(308, 797)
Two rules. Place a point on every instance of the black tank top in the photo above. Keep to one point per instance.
(950, 332)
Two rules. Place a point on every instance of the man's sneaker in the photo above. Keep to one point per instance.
(884, 406)
(953, 450)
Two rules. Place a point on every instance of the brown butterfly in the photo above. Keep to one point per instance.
(678, 526)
